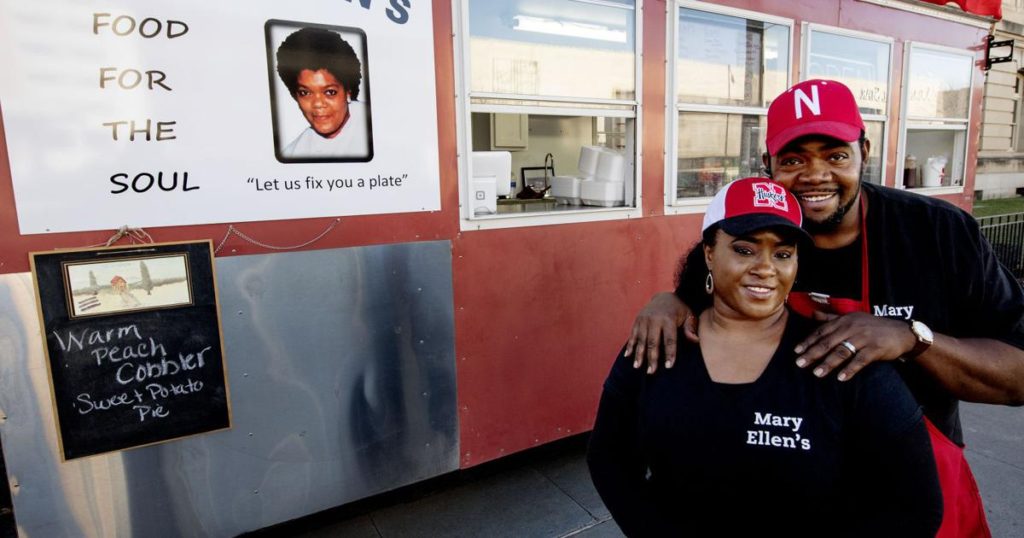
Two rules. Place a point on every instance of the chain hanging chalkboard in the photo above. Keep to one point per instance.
(133, 343)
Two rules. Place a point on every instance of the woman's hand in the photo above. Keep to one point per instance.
(657, 324)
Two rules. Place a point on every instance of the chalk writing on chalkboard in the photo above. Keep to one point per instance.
(133, 344)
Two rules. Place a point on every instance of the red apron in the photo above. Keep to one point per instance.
(963, 515)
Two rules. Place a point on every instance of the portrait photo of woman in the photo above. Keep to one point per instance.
(323, 71)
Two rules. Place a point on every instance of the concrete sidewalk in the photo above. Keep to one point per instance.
(995, 449)
(547, 493)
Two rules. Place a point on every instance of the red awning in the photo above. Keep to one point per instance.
(987, 8)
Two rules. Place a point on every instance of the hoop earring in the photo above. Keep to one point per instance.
(709, 284)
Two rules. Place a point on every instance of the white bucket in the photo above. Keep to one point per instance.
(933, 171)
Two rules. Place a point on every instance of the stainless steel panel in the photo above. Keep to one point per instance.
(342, 378)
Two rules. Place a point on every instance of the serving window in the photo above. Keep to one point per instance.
(550, 113)
(863, 63)
(936, 117)
(727, 66)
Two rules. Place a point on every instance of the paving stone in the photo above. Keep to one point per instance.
(358, 527)
(570, 473)
(605, 529)
(515, 503)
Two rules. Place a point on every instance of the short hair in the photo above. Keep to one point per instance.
(315, 49)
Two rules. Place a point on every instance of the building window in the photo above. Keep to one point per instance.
(861, 62)
(937, 112)
(552, 98)
(1017, 127)
(729, 65)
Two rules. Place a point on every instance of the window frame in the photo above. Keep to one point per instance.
(882, 150)
(673, 108)
(464, 133)
(1017, 134)
(907, 122)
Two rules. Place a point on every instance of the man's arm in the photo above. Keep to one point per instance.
(975, 365)
(657, 323)
(981, 370)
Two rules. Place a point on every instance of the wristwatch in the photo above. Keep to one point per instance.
(924, 338)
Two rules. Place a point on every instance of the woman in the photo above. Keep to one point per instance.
(735, 440)
(323, 75)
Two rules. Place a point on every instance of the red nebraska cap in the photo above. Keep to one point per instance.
(753, 203)
(813, 107)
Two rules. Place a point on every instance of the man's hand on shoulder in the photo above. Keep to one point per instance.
(856, 340)
(657, 324)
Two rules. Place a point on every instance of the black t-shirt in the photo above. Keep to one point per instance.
(927, 261)
(789, 454)
(834, 272)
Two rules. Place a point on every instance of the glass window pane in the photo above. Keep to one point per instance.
(715, 149)
(861, 64)
(553, 47)
(937, 155)
(723, 60)
(940, 84)
(875, 131)
(559, 141)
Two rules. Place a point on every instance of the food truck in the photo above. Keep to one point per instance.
(261, 259)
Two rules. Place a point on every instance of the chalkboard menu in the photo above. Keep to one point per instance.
(133, 344)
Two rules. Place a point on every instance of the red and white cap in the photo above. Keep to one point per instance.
(753, 203)
(813, 107)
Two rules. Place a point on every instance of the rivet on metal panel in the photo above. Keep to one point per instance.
(421, 341)
(239, 312)
(250, 434)
(255, 492)
(424, 394)
(419, 289)
(245, 374)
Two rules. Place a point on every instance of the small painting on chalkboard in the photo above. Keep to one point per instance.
(106, 287)
(133, 345)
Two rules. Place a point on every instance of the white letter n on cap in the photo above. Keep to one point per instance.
(812, 102)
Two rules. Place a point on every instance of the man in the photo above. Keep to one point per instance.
(921, 281)
(323, 74)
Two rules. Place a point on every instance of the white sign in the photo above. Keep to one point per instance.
(192, 112)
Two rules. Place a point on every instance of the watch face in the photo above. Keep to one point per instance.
(922, 332)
